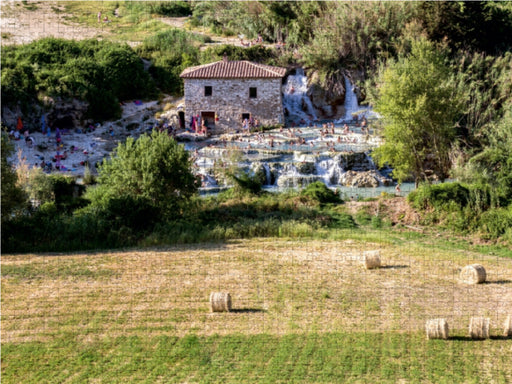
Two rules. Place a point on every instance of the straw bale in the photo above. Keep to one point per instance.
(479, 328)
(220, 302)
(437, 329)
(507, 326)
(371, 259)
(473, 274)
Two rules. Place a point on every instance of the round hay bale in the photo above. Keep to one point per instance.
(507, 327)
(437, 329)
(371, 259)
(220, 302)
(473, 274)
(479, 328)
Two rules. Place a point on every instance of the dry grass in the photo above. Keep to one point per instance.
(278, 287)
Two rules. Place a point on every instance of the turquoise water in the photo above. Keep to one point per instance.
(346, 193)
(349, 193)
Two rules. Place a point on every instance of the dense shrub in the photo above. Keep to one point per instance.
(495, 223)
(170, 52)
(319, 192)
(245, 184)
(99, 72)
(154, 167)
(256, 53)
(445, 196)
(170, 8)
(345, 221)
(136, 213)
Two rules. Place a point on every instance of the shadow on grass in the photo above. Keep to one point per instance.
(498, 282)
(248, 310)
(393, 266)
(467, 338)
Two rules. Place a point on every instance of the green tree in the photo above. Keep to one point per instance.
(13, 197)
(418, 99)
(152, 167)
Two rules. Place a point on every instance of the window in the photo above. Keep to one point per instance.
(208, 90)
(253, 92)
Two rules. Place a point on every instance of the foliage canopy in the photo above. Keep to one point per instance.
(153, 167)
(99, 72)
(417, 97)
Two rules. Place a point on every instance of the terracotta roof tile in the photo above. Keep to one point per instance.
(233, 70)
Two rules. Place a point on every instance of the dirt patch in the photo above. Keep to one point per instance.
(24, 22)
(395, 209)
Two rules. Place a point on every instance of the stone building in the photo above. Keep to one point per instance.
(226, 92)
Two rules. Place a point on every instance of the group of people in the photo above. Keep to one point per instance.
(250, 124)
(16, 134)
(250, 43)
(199, 125)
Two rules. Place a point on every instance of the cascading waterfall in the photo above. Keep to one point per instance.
(268, 174)
(295, 98)
(352, 106)
(330, 170)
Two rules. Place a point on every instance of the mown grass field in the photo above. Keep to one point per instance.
(303, 311)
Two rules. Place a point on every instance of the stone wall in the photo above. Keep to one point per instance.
(230, 99)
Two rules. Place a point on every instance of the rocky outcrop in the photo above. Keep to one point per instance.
(327, 93)
(63, 114)
(359, 179)
(261, 172)
(368, 179)
(296, 181)
(327, 96)
(68, 114)
(356, 161)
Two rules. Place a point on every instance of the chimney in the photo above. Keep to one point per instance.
(225, 57)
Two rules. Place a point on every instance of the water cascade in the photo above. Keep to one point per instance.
(352, 106)
(295, 99)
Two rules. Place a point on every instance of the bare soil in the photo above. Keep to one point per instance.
(22, 24)
(395, 209)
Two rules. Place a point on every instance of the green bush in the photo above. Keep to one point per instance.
(245, 184)
(170, 53)
(376, 222)
(445, 196)
(363, 217)
(154, 167)
(170, 8)
(99, 72)
(495, 223)
(256, 53)
(319, 192)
